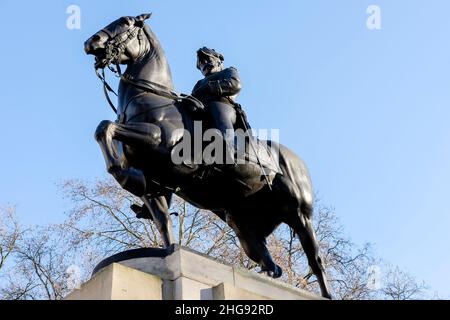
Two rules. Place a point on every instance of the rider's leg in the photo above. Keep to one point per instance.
(224, 118)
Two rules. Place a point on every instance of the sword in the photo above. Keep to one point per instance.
(244, 122)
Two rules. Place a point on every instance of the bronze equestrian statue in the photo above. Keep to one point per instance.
(153, 120)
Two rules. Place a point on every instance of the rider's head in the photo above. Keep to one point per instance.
(209, 61)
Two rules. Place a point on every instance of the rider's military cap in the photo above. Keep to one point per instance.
(208, 52)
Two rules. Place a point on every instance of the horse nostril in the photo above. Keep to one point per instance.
(87, 48)
(93, 44)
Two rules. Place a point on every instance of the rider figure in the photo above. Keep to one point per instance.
(217, 91)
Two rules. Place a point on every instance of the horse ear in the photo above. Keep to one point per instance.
(143, 17)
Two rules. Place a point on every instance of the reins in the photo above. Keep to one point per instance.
(106, 88)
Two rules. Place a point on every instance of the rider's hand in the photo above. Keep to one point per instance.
(215, 87)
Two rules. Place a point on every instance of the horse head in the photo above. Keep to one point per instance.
(129, 40)
(120, 42)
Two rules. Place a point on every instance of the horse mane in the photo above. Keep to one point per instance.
(157, 54)
(155, 46)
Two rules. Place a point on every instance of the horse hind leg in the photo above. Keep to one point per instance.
(255, 248)
(302, 226)
(129, 178)
(159, 210)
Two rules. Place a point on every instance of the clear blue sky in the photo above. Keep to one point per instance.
(367, 110)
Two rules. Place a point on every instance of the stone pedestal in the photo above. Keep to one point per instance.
(180, 274)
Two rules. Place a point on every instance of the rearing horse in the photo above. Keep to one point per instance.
(137, 149)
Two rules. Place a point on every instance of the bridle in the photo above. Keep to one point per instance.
(116, 46)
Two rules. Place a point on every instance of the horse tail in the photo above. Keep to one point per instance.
(295, 171)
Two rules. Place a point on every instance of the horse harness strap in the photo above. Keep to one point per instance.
(147, 87)
(150, 87)
(106, 88)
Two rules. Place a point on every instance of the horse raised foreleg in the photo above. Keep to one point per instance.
(129, 178)
(104, 136)
(139, 135)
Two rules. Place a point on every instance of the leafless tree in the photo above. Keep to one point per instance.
(10, 233)
(39, 269)
(100, 223)
(399, 285)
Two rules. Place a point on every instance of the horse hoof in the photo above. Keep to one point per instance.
(278, 272)
(328, 296)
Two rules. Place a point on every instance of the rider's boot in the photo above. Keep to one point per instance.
(142, 212)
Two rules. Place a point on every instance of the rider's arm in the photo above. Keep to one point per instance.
(196, 88)
(229, 85)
